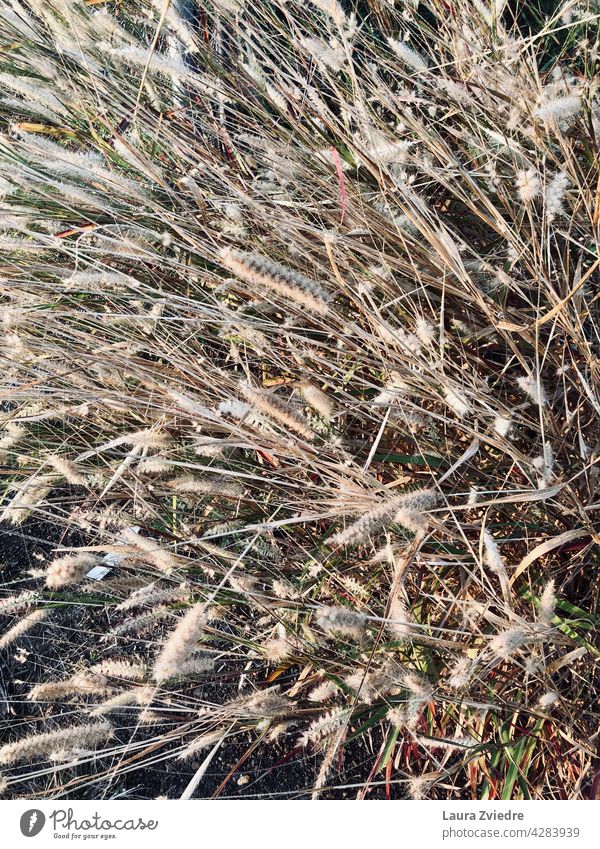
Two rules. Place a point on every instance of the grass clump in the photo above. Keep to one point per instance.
(301, 369)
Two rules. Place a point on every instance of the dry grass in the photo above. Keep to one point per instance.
(300, 312)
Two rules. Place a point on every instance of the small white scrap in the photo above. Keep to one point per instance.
(97, 573)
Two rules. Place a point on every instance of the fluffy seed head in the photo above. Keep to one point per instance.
(528, 185)
(269, 275)
(493, 558)
(502, 425)
(506, 643)
(181, 643)
(547, 604)
(457, 402)
(409, 56)
(23, 627)
(341, 620)
(69, 569)
(548, 699)
(533, 389)
(43, 745)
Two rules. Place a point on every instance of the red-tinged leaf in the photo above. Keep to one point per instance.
(268, 458)
(388, 776)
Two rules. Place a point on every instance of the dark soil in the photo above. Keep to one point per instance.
(275, 770)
